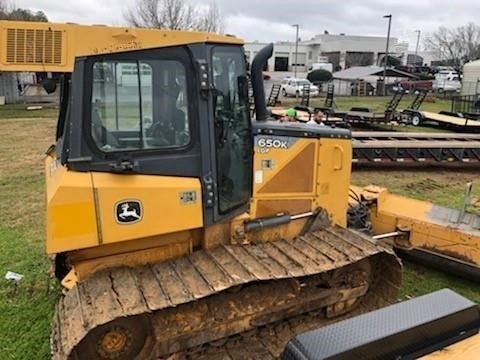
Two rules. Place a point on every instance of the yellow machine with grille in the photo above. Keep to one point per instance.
(176, 221)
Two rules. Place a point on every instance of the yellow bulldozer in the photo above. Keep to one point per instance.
(179, 226)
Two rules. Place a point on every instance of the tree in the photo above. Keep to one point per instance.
(319, 75)
(3, 9)
(174, 15)
(27, 15)
(391, 61)
(456, 46)
(8, 12)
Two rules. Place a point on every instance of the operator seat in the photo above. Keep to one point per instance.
(103, 138)
(168, 131)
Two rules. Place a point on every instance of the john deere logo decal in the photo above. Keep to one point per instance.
(128, 211)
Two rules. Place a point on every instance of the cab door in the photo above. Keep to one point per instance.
(232, 130)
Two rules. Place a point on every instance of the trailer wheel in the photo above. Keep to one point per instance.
(415, 120)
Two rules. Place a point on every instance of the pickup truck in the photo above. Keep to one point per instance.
(294, 87)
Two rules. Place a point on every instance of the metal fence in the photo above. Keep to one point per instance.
(466, 103)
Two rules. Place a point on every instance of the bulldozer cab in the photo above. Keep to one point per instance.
(177, 111)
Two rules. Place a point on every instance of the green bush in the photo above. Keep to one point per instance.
(319, 75)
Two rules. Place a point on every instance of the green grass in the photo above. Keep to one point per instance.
(375, 103)
(26, 310)
(420, 280)
(13, 111)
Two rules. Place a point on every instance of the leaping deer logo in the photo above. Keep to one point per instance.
(126, 213)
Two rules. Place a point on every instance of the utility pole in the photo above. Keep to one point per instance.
(416, 47)
(296, 50)
(385, 61)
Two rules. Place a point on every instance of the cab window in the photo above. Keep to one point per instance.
(139, 105)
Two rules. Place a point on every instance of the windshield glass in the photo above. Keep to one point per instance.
(139, 105)
(232, 127)
(303, 82)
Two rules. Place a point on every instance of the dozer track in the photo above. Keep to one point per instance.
(225, 303)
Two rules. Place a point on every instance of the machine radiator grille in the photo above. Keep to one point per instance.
(34, 46)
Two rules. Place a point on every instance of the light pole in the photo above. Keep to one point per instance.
(385, 60)
(416, 47)
(296, 50)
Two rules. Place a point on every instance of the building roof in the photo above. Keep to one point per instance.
(359, 72)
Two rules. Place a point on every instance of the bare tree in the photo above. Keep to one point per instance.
(4, 9)
(174, 15)
(9, 12)
(456, 46)
(211, 19)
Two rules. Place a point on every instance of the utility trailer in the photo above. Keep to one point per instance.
(452, 120)
(356, 115)
(364, 115)
(445, 120)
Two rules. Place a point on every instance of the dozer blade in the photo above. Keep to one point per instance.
(198, 304)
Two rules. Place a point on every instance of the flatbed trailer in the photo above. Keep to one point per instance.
(354, 116)
(455, 122)
(358, 115)
(415, 148)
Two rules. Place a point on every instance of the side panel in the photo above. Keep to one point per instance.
(83, 209)
(284, 175)
(70, 220)
(297, 175)
(333, 179)
(166, 204)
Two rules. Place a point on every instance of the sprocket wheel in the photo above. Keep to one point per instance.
(120, 339)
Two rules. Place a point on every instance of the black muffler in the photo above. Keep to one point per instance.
(256, 76)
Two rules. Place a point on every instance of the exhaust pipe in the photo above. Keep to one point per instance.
(258, 63)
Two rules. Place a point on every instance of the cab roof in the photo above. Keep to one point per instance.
(45, 46)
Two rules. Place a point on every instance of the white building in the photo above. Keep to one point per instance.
(340, 50)
(471, 78)
(283, 58)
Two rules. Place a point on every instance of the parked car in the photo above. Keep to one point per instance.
(444, 85)
(294, 87)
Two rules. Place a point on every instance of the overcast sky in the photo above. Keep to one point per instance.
(270, 20)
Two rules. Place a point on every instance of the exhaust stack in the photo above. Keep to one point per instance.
(258, 63)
